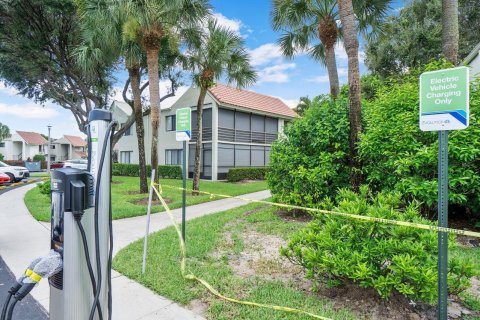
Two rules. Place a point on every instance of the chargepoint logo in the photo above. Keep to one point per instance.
(431, 122)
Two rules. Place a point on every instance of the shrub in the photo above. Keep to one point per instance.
(1, 157)
(133, 170)
(239, 174)
(39, 157)
(311, 161)
(45, 187)
(396, 155)
(375, 255)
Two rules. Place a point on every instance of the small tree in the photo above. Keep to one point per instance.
(4, 131)
(211, 55)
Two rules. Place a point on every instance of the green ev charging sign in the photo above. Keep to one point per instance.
(184, 124)
(444, 99)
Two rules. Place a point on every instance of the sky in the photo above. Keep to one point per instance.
(287, 79)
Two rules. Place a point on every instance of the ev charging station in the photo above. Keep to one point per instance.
(79, 263)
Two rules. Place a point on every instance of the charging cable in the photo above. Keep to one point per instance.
(17, 285)
(44, 268)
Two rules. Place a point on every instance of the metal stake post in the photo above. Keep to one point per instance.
(147, 231)
(184, 192)
(48, 151)
(442, 222)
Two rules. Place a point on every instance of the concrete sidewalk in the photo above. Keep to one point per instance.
(22, 239)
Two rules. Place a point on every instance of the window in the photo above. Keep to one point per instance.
(242, 121)
(40, 148)
(171, 123)
(226, 118)
(2, 144)
(271, 125)
(52, 147)
(258, 156)
(205, 161)
(173, 156)
(242, 155)
(126, 156)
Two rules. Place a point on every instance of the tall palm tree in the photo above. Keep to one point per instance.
(349, 24)
(147, 22)
(211, 55)
(450, 30)
(305, 21)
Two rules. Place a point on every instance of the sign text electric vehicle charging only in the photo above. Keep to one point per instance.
(184, 133)
(444, 106)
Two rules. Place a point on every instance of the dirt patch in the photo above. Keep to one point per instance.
(144, 202)
(198, 307)
(117, 182)
(134, 192)
(296, 215)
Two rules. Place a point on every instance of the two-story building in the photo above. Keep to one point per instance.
(239, 127)
(67, 148)
(23, 145)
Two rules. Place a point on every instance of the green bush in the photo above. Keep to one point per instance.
(387, 258)
(311, 161)
(396, 155)
(45, 187)
(39, 157)
(252, 173)
(133, 170)
(1, 157)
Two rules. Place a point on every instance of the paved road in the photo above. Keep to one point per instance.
(22, 238)
(28, 308)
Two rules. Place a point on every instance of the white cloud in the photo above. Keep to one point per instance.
(266, 53)
(8, 90)
(276, 73)
(342, 72)
(292, 103)
(28, 110)
(232, 24)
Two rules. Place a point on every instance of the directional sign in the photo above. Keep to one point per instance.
(444, 99)
(184, 124)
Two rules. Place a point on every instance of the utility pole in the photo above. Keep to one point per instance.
(48, 149)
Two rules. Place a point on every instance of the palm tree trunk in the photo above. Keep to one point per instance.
(349, 25)
(198, 145)
(134, 75)
(450, 30)
(154, 89)
(332, 71)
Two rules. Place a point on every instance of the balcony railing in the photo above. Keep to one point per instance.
(206, 134)
(232, 135)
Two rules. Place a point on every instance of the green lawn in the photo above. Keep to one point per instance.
(125, 194)
(208, 260)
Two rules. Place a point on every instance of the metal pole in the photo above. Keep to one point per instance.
(442, 222)
(48, 150)
(184, 191)
(147, 231)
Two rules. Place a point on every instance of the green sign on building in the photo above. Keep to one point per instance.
(444, 99)
(184, 124)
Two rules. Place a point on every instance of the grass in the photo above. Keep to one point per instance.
(209, 255)
(39, 174)
(205, 237)
(125, 194)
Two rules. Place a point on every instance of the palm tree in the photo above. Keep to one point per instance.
(304, 21)
(450, 30)
(217, 53)
(4, 131)
(147, 22)
(349, 24)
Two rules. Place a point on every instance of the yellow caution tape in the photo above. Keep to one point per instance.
(191, 276)
(346, 215)
(35, 277)
(28, 272)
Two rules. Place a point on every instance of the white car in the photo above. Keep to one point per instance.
(14, 172)
(76, 163)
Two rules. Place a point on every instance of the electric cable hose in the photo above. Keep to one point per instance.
(5, 306)
(89, 147)
(110, 226)
(10, 309)
(89, 264)
(97, 240)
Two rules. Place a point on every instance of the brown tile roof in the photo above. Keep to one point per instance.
(32, 137)
(81, 154)
(251, 100)
(75, 141)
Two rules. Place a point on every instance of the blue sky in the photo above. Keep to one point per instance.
(280, 77)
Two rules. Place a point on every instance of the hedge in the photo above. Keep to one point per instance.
(251, 173)
(133, 170)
